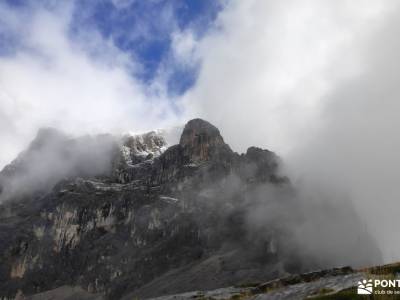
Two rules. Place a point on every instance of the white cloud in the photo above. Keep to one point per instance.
(184, 47)
(54, 80)
(265, 73)
(317, 82)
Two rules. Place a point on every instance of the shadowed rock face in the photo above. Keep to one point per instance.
(202, 141)
(147, 225)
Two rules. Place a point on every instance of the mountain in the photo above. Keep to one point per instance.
(123, 217)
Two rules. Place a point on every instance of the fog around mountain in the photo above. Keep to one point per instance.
(316, 83)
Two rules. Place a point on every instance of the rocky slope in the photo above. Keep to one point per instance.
(330, 284)
(105, 217)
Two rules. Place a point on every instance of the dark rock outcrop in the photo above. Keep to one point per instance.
(202, 141)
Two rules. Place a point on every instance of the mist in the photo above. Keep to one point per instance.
(355, 150)
(318, 84)
(54, 156)
(304, 226)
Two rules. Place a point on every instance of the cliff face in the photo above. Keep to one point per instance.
(201, 141)
(150, 221)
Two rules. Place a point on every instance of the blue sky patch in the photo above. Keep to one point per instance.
(142, 29)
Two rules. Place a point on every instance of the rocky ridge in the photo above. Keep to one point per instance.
(132, 218)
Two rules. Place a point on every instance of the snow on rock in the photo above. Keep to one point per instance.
(140, 147)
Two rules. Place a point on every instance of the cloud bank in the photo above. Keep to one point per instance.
(316, 82)
(79, 85)
(267, 72)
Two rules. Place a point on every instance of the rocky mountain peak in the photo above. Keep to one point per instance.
(201, 140)
(126, 219)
